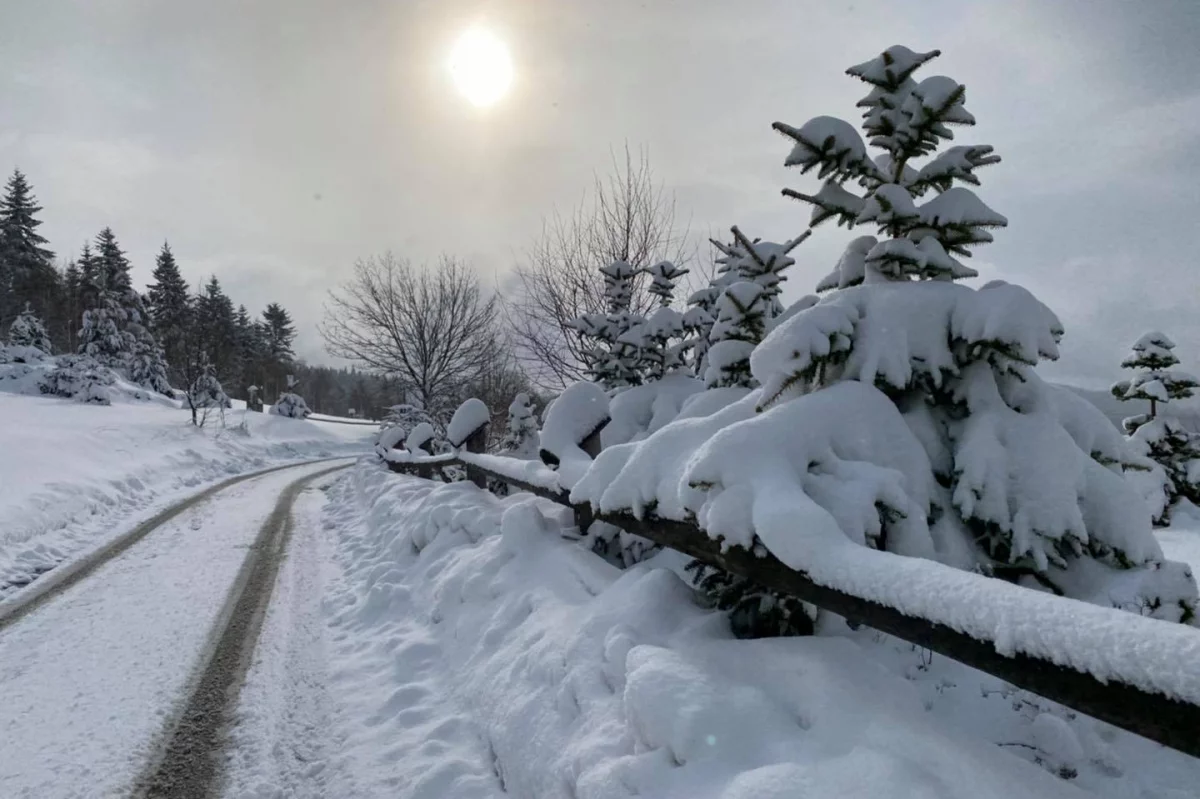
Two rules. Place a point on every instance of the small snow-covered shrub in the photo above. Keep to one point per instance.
(292, 406)
(81, 378)
(21, 353)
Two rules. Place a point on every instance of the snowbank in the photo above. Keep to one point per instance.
(73, 475)
(479, 652)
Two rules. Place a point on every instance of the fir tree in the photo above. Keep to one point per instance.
(27, 273)
(170, 310)
(280, 333)
(521, 434)
(1164, 440)
(27, 330)
(91, 278)
(1013, 487)
(139, 357)
(742, 315)
(660, 337)
(1155, 381)
(100, 337)
(71, 310)
(217, 329)
(613, 361)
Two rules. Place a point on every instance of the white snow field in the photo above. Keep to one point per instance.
(472, 651)
(73, 475)
(91, 679)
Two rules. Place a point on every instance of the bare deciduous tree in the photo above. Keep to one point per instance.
(629, 217)
(431, 330)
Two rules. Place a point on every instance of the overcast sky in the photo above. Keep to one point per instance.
(274, 141)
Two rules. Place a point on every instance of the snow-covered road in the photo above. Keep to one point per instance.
(92, 680)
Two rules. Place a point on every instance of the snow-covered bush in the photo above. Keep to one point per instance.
(903, 411)
(81, 378)
(27, 331)
(291, 405)
(521, 433)
(21, 354)
(1174, 449)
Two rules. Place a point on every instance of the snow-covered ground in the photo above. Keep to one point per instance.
(91, 681)
(74, 475)
(471, 651)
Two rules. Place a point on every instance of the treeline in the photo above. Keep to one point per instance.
(167, 336)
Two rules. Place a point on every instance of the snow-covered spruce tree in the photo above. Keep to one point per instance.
(1006, 475)
(27, 330)
(27, 272)
(747, 288)
(115, 329)
(746, 307)
(170, 309)
(521, 435)
(613, 360)
(100, 337)
(1162, 439)
(660, 337)
(1154, 380)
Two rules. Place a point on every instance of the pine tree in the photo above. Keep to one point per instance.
(27, 273)
(170, 310)
(521, 435)
(280, 333)
(661, 336)
(140, 357)
(27, 330)
(746, 307)
(91, 278)
(1014, 488)
(1164, 440)
(613, 361)
(101, 337)
(71, 310)
(1156, 381)
(216, 328)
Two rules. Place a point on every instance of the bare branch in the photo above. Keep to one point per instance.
(629, 217)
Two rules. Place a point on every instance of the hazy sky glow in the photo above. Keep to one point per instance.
(272, 142)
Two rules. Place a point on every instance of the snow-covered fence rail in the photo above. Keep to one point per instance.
(1132, 672)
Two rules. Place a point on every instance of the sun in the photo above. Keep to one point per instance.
(481, 67)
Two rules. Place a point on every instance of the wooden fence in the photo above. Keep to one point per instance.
(1160, 718)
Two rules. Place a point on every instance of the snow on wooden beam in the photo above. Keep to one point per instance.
(1163, 719)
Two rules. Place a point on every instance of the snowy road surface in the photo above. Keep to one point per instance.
(92, 680)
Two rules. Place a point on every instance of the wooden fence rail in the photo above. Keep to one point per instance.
(1160, 718)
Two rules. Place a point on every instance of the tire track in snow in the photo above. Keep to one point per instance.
(60, 579)
(188, 765)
